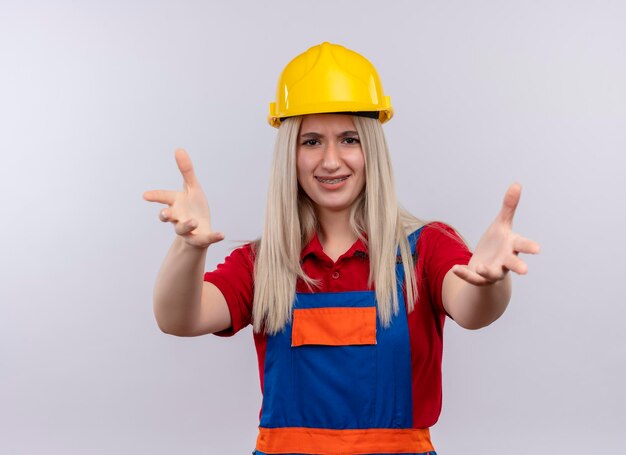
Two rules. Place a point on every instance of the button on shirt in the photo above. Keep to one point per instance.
(345, 274)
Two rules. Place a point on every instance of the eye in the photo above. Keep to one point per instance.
(351, 140)
(311, 142)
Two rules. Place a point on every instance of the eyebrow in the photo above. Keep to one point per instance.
(314, 135)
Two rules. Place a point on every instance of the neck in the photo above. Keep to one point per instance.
(335, 234)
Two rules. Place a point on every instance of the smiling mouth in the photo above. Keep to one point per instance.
(331, 180)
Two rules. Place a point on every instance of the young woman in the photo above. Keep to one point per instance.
(346, 291)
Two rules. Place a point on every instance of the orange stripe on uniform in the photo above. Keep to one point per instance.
(343, 442)
(334, 326)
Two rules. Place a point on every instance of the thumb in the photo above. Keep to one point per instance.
(509, 204)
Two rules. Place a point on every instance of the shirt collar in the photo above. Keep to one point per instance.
(358, 248)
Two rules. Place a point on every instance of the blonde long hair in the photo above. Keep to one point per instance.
(290, 223)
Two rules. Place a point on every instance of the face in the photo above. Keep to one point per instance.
(330, 162)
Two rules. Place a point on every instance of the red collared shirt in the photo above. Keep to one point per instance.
(438, 249)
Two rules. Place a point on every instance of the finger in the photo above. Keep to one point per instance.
(490, 273)
(463, 272)
(204, 241)
(164, 215)
(509, 204)
(215, 237)
(162, 196)
(185, 227)
(515, 264)
(168, 215)
(527, 246)
(186, 167)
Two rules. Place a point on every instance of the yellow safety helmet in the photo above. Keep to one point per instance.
(329, 78)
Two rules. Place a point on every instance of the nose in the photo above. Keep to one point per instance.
(331, 160)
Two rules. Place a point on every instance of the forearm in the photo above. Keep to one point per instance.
(178, 288)
(474, 307)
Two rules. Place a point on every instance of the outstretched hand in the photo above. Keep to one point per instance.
(187, 210)
(498, 249)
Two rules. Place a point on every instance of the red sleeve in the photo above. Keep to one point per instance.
(439, 247)
(234, 278)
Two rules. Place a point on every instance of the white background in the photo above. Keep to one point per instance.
(95, 97)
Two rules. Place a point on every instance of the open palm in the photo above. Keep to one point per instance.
(188, 210)
(498, 249)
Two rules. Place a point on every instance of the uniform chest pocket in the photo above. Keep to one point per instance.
(334, 366)
(334, 326)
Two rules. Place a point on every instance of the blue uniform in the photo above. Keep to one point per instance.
(337, 382)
